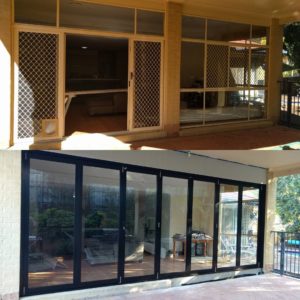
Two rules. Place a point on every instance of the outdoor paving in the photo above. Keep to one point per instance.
(265, 287)
(272, 138)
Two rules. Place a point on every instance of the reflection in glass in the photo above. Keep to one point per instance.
(173, 226)
(192, 65)
(35, 12)
(149, 22)
(226, 106)
(257, 104)
(260, 35)
(96, 16)
(227, 229)
(239, 67)
(250, 207)
(228, 31)
(193, 27)
(140, 224)
(100, 224)
(51, 223)
(203, 225)
(258, 67)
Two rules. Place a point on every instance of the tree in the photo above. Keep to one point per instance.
(292, 43)
(288, 202)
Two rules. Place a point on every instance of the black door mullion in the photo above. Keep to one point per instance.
(189, 225)
(122, 229)
(158, 227)
(78, 224)
(216, 227)
(239, 227)
(261, 226)
(25, 222)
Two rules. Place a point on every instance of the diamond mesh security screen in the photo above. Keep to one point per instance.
(146, 109)
(239, 67)
(258, 67)
(37, 82)
(217, 66)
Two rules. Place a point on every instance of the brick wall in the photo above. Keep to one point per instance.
(10, 216)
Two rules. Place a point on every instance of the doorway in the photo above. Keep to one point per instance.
(96, 84)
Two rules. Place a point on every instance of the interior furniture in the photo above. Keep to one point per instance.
(182, 239)
(69, 96)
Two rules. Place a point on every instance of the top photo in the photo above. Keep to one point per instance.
(150, 74)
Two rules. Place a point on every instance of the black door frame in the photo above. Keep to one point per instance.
(123, 168)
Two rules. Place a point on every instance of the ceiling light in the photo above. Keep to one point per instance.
(84, 47)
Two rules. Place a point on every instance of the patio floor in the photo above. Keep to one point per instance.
(269, 137)
(265, 287)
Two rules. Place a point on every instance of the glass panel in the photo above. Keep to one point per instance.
(193, 28)
(226, 106)
(140, 224)
(191, 108)
(260, 35)
(203, 225)
(228, 212)
(258, 67)
(51, 223)
(95, 16)
(239, 67)
(257, 104)
(100, 224)
(250, 207)
(228, 32)
(149, 22)
(192, 65)
(217, 66)
(35, 12)
(173, 225)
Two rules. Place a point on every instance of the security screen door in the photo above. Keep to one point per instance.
(145, 85)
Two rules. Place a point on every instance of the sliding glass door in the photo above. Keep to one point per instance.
(228, 225)
(174, 225)
(100, 224)
(202, 225)
(140, 224)
(51, 220)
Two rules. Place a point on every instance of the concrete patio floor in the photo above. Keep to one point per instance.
(246, 139)
(265, 287)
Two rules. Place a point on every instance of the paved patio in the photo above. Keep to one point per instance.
(265, 287)
(270, 137)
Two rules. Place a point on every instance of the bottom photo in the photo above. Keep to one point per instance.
(123, 224)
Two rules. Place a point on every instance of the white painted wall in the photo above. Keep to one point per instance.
(179, 161)
(10, 218)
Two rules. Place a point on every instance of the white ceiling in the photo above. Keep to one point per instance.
(272, 160)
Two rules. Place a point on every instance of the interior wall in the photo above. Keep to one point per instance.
(181, 162)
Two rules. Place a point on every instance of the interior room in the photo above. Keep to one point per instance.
(96, 84)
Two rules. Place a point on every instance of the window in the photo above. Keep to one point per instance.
(224, 68)
(35, 12)
(149, 22)
(96, 16)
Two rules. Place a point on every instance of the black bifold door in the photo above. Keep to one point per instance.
(89, 223)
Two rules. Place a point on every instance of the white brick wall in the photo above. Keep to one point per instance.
(10, 217)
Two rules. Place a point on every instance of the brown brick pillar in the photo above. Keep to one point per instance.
(172, 68)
